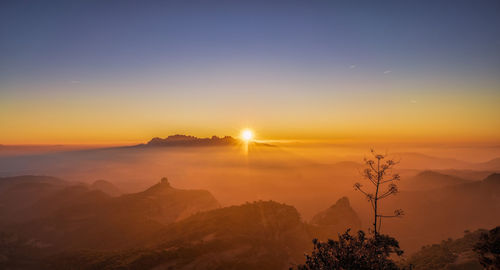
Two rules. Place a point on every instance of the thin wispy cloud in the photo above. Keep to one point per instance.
(388, 71)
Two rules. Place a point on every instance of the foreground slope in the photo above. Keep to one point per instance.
(260, 235)
(450, 254)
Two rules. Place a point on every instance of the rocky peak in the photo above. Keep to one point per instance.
(164, 182)
(342, 203)
(339, 215)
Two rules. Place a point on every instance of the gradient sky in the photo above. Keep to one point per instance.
(126, 71)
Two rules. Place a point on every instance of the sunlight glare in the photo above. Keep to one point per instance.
(247, 135)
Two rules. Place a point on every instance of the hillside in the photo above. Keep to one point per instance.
(77, 217)
(471, 205)
(451, 254)
(259, 235)
(431, 180)
(493, 164)
(20, 193)
(411, 160)
(106, 187)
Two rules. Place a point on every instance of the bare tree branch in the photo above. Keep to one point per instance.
(376, 171)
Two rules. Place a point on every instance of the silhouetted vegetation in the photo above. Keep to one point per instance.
(51, 223)
(488, 249)
(449, 254)
(353, 252)
(361, 252)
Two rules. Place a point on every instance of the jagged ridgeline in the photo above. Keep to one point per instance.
(192, 141)
(56, 224)
(63, 216)
(78, 226)
(186, 140)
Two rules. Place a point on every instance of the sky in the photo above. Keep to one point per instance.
(90, 72)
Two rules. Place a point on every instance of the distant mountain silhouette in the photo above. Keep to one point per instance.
(493, 164)
(106, 187)
(423, 161)
(78, 217)
(166, 204)
(431, 180)
(337, 218)
(159, 227)
(166, 227)
(468, 205)
(185, 140)
(18, 194)
(466, 173)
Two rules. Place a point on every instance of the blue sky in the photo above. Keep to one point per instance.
(221, 56)
(86, 38)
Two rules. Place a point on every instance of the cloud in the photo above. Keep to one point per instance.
(74, 82)
(413, 101)
(352, 66)
(387, 71)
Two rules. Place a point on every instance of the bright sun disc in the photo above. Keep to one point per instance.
(247, 135)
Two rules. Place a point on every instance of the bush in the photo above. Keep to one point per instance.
(353, 252)
(488, 249)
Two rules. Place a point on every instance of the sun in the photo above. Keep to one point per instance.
(247, 135)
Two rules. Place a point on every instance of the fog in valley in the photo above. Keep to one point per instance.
(441, 196)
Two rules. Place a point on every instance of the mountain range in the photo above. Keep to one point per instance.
(63, 216)
(186, 140)
(160, 226)
(72, 225)
(431, 180)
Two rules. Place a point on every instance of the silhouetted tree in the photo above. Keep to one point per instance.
(353, 252)
(379, 173)
(361, 252)
(488, 249)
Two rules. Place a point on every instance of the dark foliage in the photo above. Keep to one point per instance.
(488, 249)
(353, 252)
